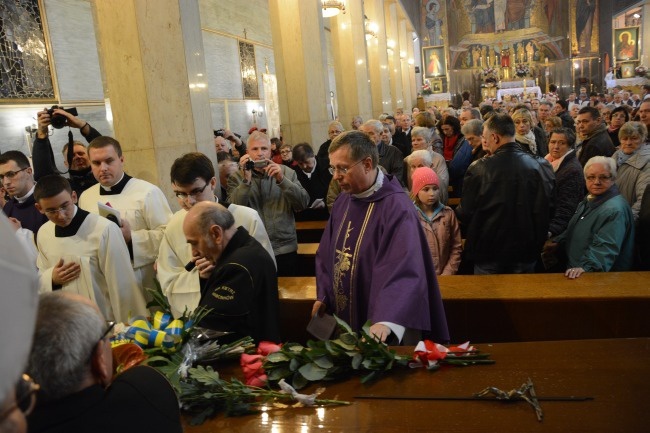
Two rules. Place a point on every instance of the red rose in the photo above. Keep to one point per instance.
(254, 374)
(265, 348)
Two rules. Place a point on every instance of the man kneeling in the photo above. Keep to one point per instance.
(72, 361)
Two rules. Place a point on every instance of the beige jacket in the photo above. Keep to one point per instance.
(443, 237)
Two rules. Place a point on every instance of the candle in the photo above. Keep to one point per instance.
(546, 60)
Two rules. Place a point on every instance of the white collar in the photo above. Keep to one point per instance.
(374, 188)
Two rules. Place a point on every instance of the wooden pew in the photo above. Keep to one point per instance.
(306, 259)
(511, 308)
(310, 231)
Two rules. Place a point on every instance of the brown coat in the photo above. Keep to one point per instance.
(443, 237)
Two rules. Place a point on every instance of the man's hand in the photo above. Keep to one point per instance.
(380, 332)
(248, 174)
(204, 266)
(73, 121)
(15, 224)
(275, 171)
(318, 308)
(43, 123)
(63, 273)
(126, 230)
(228, 135)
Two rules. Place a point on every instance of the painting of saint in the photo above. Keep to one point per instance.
(434, 58)
(626, 43)
(585, 11)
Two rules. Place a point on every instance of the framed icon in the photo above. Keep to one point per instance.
(626, 43)
(434, 62)
(627, 70)
(436, 85)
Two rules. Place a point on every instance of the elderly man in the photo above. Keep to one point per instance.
(80, 174)
(644, 114)
(402, 137)
(468, 114)
(274, 192)
(389, 156)
(543, 113)
(360, 273)
(334, 128)
(193, 181)
(242, 289)
(72, 361)
(17, 181)
(18, 289)
(84, 253)
(143, 208)
(595, 139)
(506, 204)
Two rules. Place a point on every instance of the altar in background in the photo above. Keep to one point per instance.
(627, 82)
(517, 83)
(440, 100)
(534, 92)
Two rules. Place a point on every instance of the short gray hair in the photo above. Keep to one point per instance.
(633, 129)
(361, 146)
(424, 155)
(210, 213)
(374, 124)
(64, 339)
(474, 126)
(336, 124)
(421, 131)
(258, 136)
(605, 161)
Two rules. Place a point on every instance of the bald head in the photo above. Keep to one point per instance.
(208, 226)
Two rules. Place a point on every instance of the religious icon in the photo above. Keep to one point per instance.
(436, 85)
(625, 40)
(434, 61)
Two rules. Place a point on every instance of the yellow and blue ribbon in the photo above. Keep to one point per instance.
(165, 331)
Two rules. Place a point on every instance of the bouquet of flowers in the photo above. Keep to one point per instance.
(426, 88)
(640, 70)
(522, 69)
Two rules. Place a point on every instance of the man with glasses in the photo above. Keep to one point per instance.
(315, 178)
(77, 389)
(373, 261)
(143, 207)
(334, 128)
(193, 181)
(84, 253)
(274, 192)
(18, 182)
(18, 291)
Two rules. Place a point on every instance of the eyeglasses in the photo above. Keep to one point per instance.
(193, 194)
(11, 174)
(284, 152)
(25, 401)
(601, 178)
(343, 171)
(109, 328)
(54, 212)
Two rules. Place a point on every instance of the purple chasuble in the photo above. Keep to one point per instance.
(373, 263)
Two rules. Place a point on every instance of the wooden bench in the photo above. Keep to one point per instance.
(306, 265)
(503, 308)
(310, 231)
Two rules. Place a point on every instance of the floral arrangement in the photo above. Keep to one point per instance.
(522, 69)
(490, 72)
(426, 88)
(640, 70)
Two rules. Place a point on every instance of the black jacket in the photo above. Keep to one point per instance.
(316, 187)
(570, 183)
(598, 145)
(506, 206)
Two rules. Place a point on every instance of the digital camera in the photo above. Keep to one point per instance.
(255, 164)
(57, 120)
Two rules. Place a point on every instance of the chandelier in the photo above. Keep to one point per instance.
(332, 8)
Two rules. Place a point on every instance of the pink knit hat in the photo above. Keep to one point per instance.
(423, 176)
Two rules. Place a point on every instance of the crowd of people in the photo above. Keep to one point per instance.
(505, 187)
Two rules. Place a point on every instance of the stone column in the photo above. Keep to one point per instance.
(395, 70)
(351, 63)
(404, 39)
(301, 67)
(151, 53)
(378, 60)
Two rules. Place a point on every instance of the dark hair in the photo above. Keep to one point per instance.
(624, 110)
(425, 119)
(552, 88)
(51, 185)
(562, 103)
(17, 156)
(567, 132)
(593, 112)
(453, 122)
(225, 156)
(105, 141)
(361, 146)
(485, 109)
(302, 152)
(277, 142)
(186, 169)
(501, 124)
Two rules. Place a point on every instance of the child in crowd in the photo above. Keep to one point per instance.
(438, 221)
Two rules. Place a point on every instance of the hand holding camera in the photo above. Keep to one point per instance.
(59, 118)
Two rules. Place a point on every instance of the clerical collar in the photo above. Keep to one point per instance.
(117, 188)
(26, 197)
(374, 188)
(313, 170)
(72, 228)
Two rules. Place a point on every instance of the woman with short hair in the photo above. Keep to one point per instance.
(633, 164)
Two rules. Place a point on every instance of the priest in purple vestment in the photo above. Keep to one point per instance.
(373, 262)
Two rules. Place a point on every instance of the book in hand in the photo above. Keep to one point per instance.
(322, 327)
(108, 212)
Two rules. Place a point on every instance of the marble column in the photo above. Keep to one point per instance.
(153, 71)
(378, 60)
(351, 64)
(395, 70)
(404, 39)
(300, 53)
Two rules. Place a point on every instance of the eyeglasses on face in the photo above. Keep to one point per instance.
(601, 178)
(343, 171)
(11, 174)
(53, 212)
(193, 193)
(25, 401)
